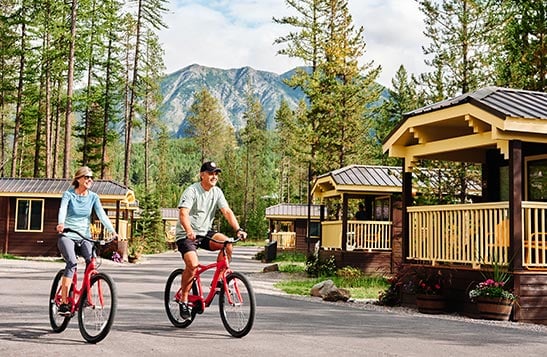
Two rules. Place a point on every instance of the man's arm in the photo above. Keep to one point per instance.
(232, 220)
(184, 217)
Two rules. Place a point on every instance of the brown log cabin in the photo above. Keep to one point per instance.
(505, 132)
(29, 209)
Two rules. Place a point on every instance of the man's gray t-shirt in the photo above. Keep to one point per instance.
(203, 206)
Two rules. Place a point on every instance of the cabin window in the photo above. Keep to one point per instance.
(536, 175)
(381, 209)
(29, 215)
(315, 229)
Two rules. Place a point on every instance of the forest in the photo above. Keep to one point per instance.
(79, 82)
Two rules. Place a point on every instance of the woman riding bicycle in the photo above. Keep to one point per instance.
(197, 208)
(77, 205)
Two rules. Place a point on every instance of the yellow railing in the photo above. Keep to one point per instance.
(475, 234)
(361, 235)
(285, 240)
(331, 234)
(534, 230)
(369, 235)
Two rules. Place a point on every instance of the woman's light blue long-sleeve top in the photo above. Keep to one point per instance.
(75, 213)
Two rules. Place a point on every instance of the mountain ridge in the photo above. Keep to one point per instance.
(230, 87)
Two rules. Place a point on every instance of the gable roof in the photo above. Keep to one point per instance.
(359, 179)
(464, 128)
(292, 211)
(370, 179)
(47, 187)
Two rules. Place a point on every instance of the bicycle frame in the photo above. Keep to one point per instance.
(222, 268)
(74, 298)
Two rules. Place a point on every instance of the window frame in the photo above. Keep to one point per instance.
(30, 216)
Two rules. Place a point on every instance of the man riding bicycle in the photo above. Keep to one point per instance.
(197, 208)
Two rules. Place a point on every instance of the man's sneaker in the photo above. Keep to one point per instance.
(184, 310)
(64, 309)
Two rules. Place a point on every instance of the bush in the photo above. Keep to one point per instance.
(315, 267)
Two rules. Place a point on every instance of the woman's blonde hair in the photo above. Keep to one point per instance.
(82, 171)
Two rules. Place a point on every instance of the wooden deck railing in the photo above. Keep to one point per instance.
(361, 235)
(534, 245)
(475, 234)
(285, 240)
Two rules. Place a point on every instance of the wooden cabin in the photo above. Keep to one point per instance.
(504, 131)
(370, 241)
(288, 224)
(29, 208)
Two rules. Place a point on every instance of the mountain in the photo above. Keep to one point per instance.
(230, 87)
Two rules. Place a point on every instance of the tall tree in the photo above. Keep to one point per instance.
(69, 114)
(148, 17)
(208, 126)
(461, 46)
(523, 62)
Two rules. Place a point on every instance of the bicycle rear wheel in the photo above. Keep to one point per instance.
(58, 322)
(172, 290)
(237, 305)
(97, 308)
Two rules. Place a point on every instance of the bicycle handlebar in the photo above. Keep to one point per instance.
(228, 241)
(100, 241)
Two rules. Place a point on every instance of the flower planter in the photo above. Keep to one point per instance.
(494, 308)
(431, 304)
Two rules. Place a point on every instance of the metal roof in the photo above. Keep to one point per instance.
(169, 214)
(367, 175)
(292, 210)
(502, 102)
(56, 187)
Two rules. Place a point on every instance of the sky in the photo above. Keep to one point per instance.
(237, 33)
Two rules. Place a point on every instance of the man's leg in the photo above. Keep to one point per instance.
(217, 246)
(191, 262)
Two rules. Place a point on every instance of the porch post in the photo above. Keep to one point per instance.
(344, 221)
(406, 202)
(515, 203)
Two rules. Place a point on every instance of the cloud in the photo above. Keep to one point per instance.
(237, 33)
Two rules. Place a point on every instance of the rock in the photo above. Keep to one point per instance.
(337, 294)
(329, 292)
(270, 268)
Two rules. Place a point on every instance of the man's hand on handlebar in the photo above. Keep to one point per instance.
(241, 234)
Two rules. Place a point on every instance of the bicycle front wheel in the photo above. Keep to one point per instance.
(172, 308)
(97, 308)
(58, 322)
(237, 305)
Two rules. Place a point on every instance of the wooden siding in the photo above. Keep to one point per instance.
(531, 288)
(378, 262)
(29, 243)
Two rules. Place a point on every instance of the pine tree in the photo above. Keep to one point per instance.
(461, 45)
(523, 63)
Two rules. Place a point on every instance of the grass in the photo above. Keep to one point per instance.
(366, 287)
(9, 256)
(359, 285)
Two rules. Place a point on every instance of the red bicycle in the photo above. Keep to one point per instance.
(95, 301)
(236, 299)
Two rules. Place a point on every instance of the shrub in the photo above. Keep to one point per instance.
(316, 267)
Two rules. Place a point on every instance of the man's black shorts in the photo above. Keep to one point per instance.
(187, 245)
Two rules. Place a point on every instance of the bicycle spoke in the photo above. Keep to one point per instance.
(237, 305)
(97, 309)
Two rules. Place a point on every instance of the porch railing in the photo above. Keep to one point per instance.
(475, 234)
(361, 235)
(534, 245)
(285, 240)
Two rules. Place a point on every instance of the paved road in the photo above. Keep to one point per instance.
(284, 326)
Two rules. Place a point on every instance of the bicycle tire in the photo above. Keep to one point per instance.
(58, 322)
(238, 317)
(95, 317)
(172, 309)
